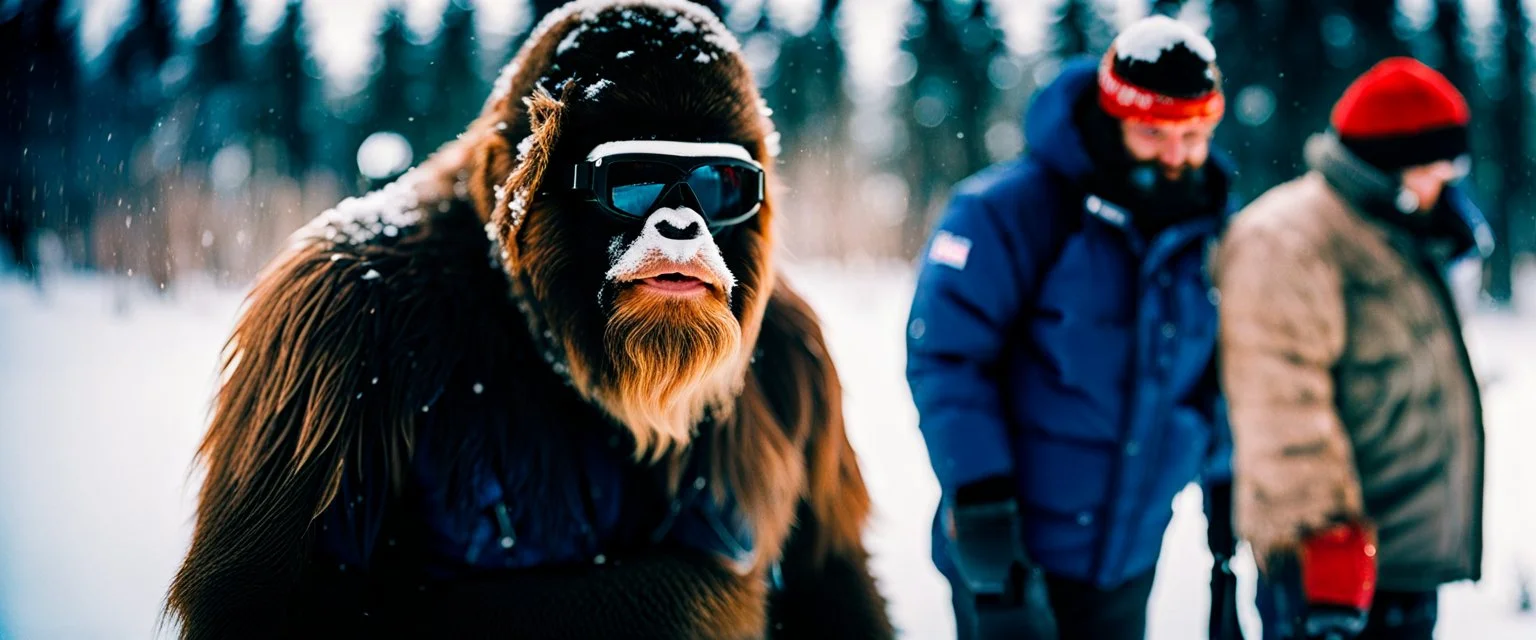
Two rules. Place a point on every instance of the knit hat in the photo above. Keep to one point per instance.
(1162, 70)
(1402, 114)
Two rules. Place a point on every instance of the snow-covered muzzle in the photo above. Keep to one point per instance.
(671, 339)
(673, 241)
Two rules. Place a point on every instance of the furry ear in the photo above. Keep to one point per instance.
(527, 172)
(489, 162)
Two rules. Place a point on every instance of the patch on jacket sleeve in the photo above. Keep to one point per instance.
(950, 250)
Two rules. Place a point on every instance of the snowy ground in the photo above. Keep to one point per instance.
(100, 412)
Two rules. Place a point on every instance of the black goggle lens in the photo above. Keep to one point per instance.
(634, 186)
(724, 191)
(721, 189)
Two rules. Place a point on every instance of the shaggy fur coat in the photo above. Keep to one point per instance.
(455, 308)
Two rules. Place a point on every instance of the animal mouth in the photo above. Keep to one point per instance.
(674, 279)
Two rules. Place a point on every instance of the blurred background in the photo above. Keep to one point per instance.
(154, 154)
(157, 139)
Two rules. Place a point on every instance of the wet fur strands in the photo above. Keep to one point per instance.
(384, 319)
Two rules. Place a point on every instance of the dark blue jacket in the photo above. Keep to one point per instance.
(578, 500)
(1049, 341)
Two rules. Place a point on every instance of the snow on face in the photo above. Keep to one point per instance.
(1148, 39)
(652, 247)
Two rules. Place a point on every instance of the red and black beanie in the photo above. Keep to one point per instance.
(1402, 114)
(1160, 69)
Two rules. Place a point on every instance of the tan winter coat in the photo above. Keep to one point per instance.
(1350, 391)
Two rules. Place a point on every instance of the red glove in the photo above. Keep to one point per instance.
(1338, 578)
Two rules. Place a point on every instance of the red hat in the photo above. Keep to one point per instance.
(1402, 114)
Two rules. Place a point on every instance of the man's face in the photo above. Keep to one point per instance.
(1176, 147)
(1427, 181)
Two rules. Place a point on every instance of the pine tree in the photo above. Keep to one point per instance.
(807, 97)
(124, 105)
(1251, 82)
(143, 48)
(948, 104)
(51, 169)
(17, 216)
(287, 92)
(221, 58)
(396, 100)
(1080, 29)
(1448, 30)
(459, 90)
(1514, 163)
(219, 83)
(1303, 97)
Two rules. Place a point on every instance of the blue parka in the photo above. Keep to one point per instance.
(1050, 342)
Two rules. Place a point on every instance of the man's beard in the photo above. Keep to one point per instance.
(1158, 201)
(669, 362)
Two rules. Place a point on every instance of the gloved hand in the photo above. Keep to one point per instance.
(1338, 580)
(987, 545)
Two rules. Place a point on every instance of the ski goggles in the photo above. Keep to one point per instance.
(629, 179)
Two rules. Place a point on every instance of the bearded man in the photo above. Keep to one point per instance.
(1061, 346)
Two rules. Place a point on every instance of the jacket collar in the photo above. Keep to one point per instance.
(1381, 198)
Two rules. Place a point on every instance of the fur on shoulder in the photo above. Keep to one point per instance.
(321, 378)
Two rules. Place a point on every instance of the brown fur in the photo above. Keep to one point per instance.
(1343, 380)
(625, 375)
(331, 365)
(669, 361)
(618, 380)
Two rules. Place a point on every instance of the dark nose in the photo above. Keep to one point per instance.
(673, 232)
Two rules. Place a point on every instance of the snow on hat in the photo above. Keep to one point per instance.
(1402, 114)
(1161, 69)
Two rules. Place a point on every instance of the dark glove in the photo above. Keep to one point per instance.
(1338, 580)
(987, 533)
